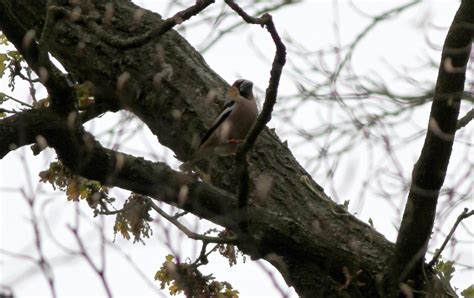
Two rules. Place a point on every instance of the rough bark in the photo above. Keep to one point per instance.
(314, 239)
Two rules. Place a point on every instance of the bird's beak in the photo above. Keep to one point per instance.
(246, 87)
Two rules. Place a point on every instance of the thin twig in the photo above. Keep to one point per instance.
(42, 262)
(17, 72)
(179, 214)
(168, 24)
(185, 230)
(202, 259)
(375, 20)
(18, 255)
(464, 120)
(99, 271)
(113, 212)
(266, 114)
(231, 28)
(249, 19)
(139, 271)
(465, 214)
(2, 110)
(31, 82)
(17, 100)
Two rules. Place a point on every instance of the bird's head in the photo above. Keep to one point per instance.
(245, 88)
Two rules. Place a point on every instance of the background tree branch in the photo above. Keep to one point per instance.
(430, 170)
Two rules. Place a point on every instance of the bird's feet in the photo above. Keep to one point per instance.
(235, 141)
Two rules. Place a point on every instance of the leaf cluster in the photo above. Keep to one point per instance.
(229, 251)
(133, 219)
(186, 278)
(76, 187)
(445, 270)
(11, 60)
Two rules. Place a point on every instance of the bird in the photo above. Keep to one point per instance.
(231, 126)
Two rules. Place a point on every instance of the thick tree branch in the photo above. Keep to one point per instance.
(430, 170)
(86, 157)
(36, 55)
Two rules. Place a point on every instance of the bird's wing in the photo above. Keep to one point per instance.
(221, 118)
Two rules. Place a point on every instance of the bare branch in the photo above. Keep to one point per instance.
(100, 271)
(18, 255)
(464, 120)
(168, 24)
(263, 20)
(377, 19)
(16, 100)
(185, 230)
(266, 113)
(223, 32)
(465, 214)
(43, 263)
(430, 170)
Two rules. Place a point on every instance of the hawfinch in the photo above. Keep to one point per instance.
(231, 126)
